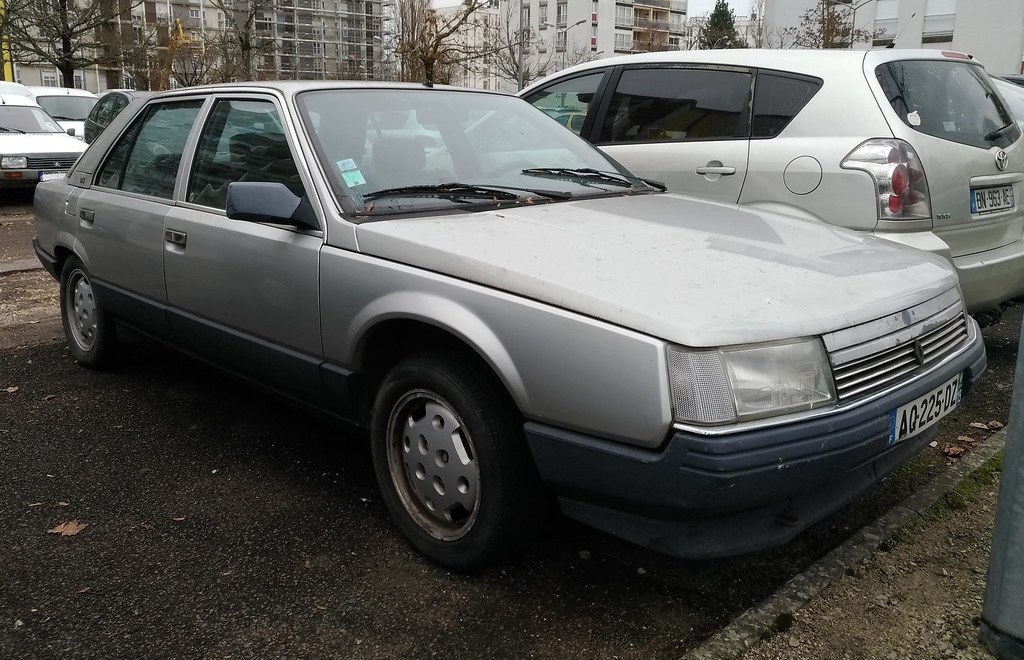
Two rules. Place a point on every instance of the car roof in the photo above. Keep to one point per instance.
(807, 61)
(289, 87)
(7, 87)
(61, 91)
(17, 99)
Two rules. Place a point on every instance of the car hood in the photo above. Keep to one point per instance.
(28, 144)
(687, 271)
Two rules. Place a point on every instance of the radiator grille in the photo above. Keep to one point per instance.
(58, 162)
(879, 370)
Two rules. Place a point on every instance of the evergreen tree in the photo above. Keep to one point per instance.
(720, 29)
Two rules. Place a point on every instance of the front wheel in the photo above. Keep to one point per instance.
(451, 462)
(89, 331)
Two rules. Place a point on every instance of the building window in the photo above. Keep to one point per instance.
(886, 15)
(562, 14)
(623, 41)
(193, 13)
(79, 80)
(49, 79)
(542, 16)
(939, 20)
(623, 16)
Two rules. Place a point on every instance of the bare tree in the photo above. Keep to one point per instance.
(778, 37)
(753, 33)
(191, 64)
(68, 34)
(827, 24)
(536, 61)
(246, 40)
(428, 46)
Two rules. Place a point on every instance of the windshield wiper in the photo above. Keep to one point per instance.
(11, 130)
(999, 132)
(63, 118)
(456, 191)
(588, 174)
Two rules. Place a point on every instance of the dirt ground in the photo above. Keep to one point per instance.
(27, 304)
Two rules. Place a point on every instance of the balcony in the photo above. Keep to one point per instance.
(645, 24)
(664, 4)
(624, 21)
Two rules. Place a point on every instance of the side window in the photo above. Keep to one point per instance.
(567, 101)
(677, 105)
(777, 99)
(243, 140)
(145, 158)
(101, 110)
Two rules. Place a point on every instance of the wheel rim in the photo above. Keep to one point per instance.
(81, 310)
(433, 465)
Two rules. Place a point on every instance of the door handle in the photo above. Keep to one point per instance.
(87, 214)
(724, 170)
(175, 237)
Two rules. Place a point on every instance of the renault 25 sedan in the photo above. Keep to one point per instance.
(515, 319)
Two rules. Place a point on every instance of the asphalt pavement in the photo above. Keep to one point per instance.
(221, 522)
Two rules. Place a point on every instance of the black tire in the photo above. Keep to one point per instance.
(89, 330)
(446, 435)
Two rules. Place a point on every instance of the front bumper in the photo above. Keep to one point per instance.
(24, 178)
(708, 496)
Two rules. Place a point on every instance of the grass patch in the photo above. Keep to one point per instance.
(783, 623)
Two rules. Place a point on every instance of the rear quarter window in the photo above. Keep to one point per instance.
(949, 100)
(777, 100)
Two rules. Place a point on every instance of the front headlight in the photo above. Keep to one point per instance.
(13, 162)
(738, 383)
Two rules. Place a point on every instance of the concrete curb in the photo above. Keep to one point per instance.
(735, 639)
(19, 266)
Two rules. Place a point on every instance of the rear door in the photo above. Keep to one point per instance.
(686, 126)
(968, 142)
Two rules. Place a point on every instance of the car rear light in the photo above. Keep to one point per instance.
(901, 186)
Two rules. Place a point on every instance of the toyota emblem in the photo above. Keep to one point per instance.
(1002, 160)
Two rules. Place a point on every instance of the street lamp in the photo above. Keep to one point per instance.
(522, 46)
(565, 35)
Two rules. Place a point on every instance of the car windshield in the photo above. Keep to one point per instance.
(408, 150)
(952, 100)
(67, 108)
(26, 119)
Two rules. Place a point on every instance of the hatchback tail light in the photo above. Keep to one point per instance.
(901, 186)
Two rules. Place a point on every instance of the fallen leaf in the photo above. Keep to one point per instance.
(979, 425)
(145, 526)
(12, 390)
(968, 439)
(36, 504)
(85, 590)
(995, 425)
(49, 396)
(63, 503)
(953, 451)
(69, 528)
(308, 564)
(178, 518)
(933, 443)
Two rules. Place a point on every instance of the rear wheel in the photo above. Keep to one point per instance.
(451, 462)
(89, 331)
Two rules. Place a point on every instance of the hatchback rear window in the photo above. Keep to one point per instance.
(949, 100)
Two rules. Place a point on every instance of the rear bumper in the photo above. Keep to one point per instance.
(704, 496)
(987, 278)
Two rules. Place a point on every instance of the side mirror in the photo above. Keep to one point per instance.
(71, 132)
(260, 201)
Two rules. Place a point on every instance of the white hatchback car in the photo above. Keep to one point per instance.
(32, 144)
(68, 106)
(912, 145)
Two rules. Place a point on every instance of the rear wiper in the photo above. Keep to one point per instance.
(999, 132)
(459, 191)
(585, 173)
(11, 130)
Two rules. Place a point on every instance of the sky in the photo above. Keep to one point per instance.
(698, 7)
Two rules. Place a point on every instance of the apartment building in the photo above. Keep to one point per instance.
(294, 39)
(578, 30)
(480, 34)
(992, 31)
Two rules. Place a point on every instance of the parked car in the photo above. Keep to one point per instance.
(512, 316)
(8, 88)
(911, 145)
(1013, 95)
(106, 108)
(1015, 78)
(68, 106)
(32, 144)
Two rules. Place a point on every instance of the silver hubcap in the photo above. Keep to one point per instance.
(433, 465)
(81, 309)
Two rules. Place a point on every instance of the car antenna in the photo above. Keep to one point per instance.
(428, 83)
(892, 44)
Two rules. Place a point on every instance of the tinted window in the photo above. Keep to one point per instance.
(242, 141)
(567, 101)
(674, 105)
(949, 100)
(145, 159)
(777, 99)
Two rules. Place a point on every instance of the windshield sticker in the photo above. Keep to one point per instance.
(350, 173)
(913, 118)
(949, 126)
